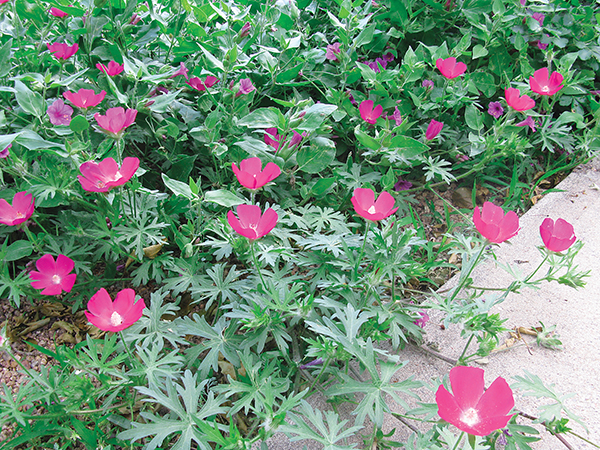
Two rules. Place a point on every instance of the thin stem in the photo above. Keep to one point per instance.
(126, 347)
(464, 280)
(459, 440)
(538, 268)
(362, 251)
(252, 243)
(466, 347)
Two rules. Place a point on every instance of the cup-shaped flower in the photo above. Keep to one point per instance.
(251, 175)
(85, 98)
(114, 316)
(105, 175)
(557, 236)
(368, 113)
(433, 129)
(471, 409)
(250, 223)
(368, 208)
(246, 87)
(111, 69)
(450, 68)
(58, 12)
(210, 81)
(516, 101)
(493, 224)
(539, 17)
(542, 84)
(4, 1)
(62, 51)
(59, 113)
(53, 276)
(20, 210)
(115, 120)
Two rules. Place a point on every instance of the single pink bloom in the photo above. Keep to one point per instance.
(541, 84)
(59, 113)
(275, 140)
(4, 153)
(210, 81)
(529, 122)
(433, 129)
(85, 98)
(333, 50)
(470, 407)
(539, 17)
(53, 276)
(183, 71)
(245, 31)
(246, 87)
(516, 101)
(116, 120)
(493, 224)
(252, 176)
(62, 51)
(368, 208)
(367, 112)
(105, 175)
(251, 223)
(396, 116)
(557, 236)
(196, 83)
(58, 12)
(20, 210)
(115, 316)
(450, 68)
(111, 69)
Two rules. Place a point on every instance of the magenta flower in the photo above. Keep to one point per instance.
(3, 1)
(115, 316)
(529, 122)
(62, 51)
(495, 109)
(134, 19)
(197, 83)
(516, 101)
(396, 116)
(85, 98)
(59, 113)
(433, 129)
(541, 45)
(245, 31)
(21, 209)
(333, 50)
(493, 224)
(542, 84)
(116, 120)
(273, 138)
(58, 12)
(53, 276)
(422, 321)
(367, 112)
(427, 84)
(368, 208)
(111, 69)
(246, 87)
(450, 68)
(105, 175)
(252, 176)
(470, 407)
(557, 236)
(251, 223)
(539, 17)
(4, 153)
(296, 138)
(183, 71)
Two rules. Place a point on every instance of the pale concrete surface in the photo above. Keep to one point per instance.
(576, 368)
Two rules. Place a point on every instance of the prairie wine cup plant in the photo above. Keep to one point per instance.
(250, 181)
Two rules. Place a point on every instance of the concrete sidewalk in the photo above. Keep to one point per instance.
(576, 313)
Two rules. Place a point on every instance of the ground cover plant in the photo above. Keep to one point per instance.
(255, 167)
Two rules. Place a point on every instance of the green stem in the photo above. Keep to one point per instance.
(459, 440)
(466, 347)
(126, 347)
(252, 243)
(362, 250)
(461, 286)
(32, 238)
(538, 268)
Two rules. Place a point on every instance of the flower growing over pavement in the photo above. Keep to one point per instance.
(183, 71)
(472, 409)
(495, 109)
(516, 101)
(250, 223)
(4, 153)
(246, 87)
(115, 316)
(53, 276)
(493, 224)
(557, 236)
(85, 98)
(396, 116)
(450, 68)
(105, 175)
(58, 12)
(368, 113)
(332, 51)
(368, 208)
(59, 113)
(21, 209)
(111, 69)
(116, 120)
(422, 321)
(62, 51)
(542, 84)
(529, 122)
(251, 175)
(433, 129)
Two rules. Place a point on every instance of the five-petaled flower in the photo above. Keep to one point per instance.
(197, 83)
(115, 316)
(493, 224)
(59, 113)
(543, 84)
(495, 109)
(246, 87)
(557, 236)
(433, 129)
(20, 210)
(332, 51)
(516, 101)
(251, 175)
(58, 12)
(368, 208)
(450, 68)
(368, 113)
(85, 98)
(105, 175)
(183, 71)
(472, 409)
(111, 69)
(115, 120)
(53, 276)
(62, 51)
(250, 223)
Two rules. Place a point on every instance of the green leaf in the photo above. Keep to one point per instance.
(224, 198)
(261, 118)
(5, 64)
(322, 186)
(31, 102)
(315, 116)
(18, 250)
(479, 51)
(79, 124)
(473, 118)
(408, 147)
(317, 157)
(365, 139)
(365, 36)
(179, 188)
(484, 82)
(212, 60)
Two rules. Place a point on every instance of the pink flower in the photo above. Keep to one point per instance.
(116, 120)
(422, 321)
(62, 51)
(246, 87)
(396, 116)
(183, 71)
(541, 45)
(197, 83)
(250, 223)
(111, 69)
(472, 409)
(134, 19)
(557, 236)
(4, 1)
(516, 102)
(433, 129)
(21, 209)
(450, 68)
(366, 206)
(114, 316)
(539, 17)
(251, 175)
(296, 138)
(59, 113)
(529, 122)
(53, 277)
(493, 224)
(495, 109)
(367, 112)
(541, 84)
(4, 153)
(58, 12)
(333, 50)
(427, 84)
(276, 140)
(105, 175)
(245, 31)
(85, 98)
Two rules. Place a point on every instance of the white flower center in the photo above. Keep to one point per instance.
(372, 210)
(116, 319)
(545, 89)
(20, 215)
(470, 417)
(55, 279)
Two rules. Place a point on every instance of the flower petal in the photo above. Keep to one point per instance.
(467, 386)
